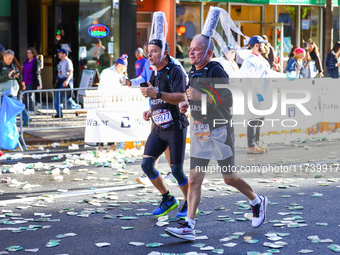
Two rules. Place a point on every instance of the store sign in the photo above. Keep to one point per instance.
(274, 2)
(299, 2)
(98, 31)
(289, 2)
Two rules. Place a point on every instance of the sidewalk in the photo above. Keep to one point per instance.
(44, 137)
(44, 129)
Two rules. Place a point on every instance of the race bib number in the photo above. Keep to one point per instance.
(202, 131)
(162, 118)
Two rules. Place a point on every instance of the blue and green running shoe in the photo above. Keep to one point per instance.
(165, 206)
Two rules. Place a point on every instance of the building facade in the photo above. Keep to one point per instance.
(90, 29)
(98, 31)
(296, 21)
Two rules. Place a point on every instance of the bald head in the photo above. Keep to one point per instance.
(198, 47)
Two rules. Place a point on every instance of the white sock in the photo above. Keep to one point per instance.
(191, 222)
(256, 201)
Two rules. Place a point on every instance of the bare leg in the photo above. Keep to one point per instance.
(184, 188)
(159, 184)
(240, 184)
(194, 192)
(167, 155)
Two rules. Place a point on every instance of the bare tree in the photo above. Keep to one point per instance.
(329, 30)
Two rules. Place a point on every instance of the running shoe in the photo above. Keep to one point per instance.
(165, 206)
(168, 176)
(37, 107)
(262, 146)
(144, 180)
(183, 211)
(184, 232)
(259, 212)
(254, 150)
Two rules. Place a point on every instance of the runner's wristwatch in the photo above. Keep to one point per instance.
(159, 95)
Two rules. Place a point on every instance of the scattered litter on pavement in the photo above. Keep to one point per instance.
(102, 244)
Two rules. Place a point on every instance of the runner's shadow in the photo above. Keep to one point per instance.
(179, 242)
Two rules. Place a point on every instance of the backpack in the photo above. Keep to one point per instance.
(223, 112)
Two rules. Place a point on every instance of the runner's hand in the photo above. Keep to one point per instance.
(147, 115)
(149, 91)
(183, 106)
(194, 94)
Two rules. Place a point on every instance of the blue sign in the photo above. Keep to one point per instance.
(305, 24)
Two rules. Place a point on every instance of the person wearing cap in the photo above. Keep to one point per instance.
(140, 62)
(109, 78)
(256, 66)
(145, 76)
(228, 63)
(166, 88)
(295, 64)
(147, 71)
(209, 140)
(97, 50)
(64, 80)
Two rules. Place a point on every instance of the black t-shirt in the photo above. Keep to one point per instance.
(204, 80)
(173, 82)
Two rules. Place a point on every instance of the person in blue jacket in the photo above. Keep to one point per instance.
(332, 61)
(295, 64)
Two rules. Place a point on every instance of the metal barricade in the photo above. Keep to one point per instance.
(42, 106)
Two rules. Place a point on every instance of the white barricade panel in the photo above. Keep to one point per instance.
(329, 103)
(123, 121)
(284, 105)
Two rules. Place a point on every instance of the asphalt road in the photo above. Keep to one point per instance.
(94, 209)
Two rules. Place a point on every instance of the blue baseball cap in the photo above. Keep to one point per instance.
(256, 39)
(63, 51)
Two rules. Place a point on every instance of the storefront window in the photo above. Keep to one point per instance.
(269, 30)
(98, 34)
(187, 25)
(5, 39)
(5, 28)
(206, 7)
(287, 15)
(248, 18)
(310, 25)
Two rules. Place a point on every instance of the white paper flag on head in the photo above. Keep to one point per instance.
(211, 21)
(159, 29)
(209, 29)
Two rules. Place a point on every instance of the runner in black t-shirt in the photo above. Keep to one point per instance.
(166, 90)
